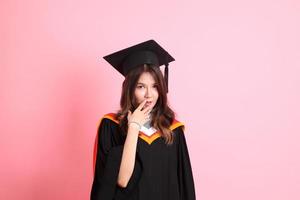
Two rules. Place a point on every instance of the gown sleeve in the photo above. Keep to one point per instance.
(185, 174)
(107, 159)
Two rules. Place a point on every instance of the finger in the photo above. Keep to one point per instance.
(146, 112)
(128, 115)
(142, 104)
(148, 116)
(147, 109)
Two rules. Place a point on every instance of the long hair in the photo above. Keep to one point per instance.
(162, 114)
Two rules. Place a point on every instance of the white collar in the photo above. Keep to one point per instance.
(148, 131)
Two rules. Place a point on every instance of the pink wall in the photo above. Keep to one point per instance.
(235, 84)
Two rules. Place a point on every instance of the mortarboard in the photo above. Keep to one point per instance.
(148, 52)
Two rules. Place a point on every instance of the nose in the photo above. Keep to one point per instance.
(148, 93)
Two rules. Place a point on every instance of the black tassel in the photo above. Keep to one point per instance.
(167, 75)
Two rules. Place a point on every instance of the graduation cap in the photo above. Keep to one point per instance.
(148, 52)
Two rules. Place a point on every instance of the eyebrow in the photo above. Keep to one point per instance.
(145, 84)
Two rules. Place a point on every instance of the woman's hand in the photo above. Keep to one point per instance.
(139, 116)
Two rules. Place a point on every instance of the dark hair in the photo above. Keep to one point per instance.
(162, 114)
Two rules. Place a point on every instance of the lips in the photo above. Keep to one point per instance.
(148, 103)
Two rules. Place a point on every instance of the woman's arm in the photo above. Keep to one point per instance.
(138, 117)
(128, 156)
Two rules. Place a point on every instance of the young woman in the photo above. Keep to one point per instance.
(140, 152)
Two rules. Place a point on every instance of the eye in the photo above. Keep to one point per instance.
(140, 86)
(155, 86)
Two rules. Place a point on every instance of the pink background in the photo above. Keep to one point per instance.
(235, 84)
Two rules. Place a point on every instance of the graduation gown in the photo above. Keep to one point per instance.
(161, 172)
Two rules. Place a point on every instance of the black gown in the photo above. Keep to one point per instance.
(161, 172)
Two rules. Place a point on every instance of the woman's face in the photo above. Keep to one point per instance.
(146, 88)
